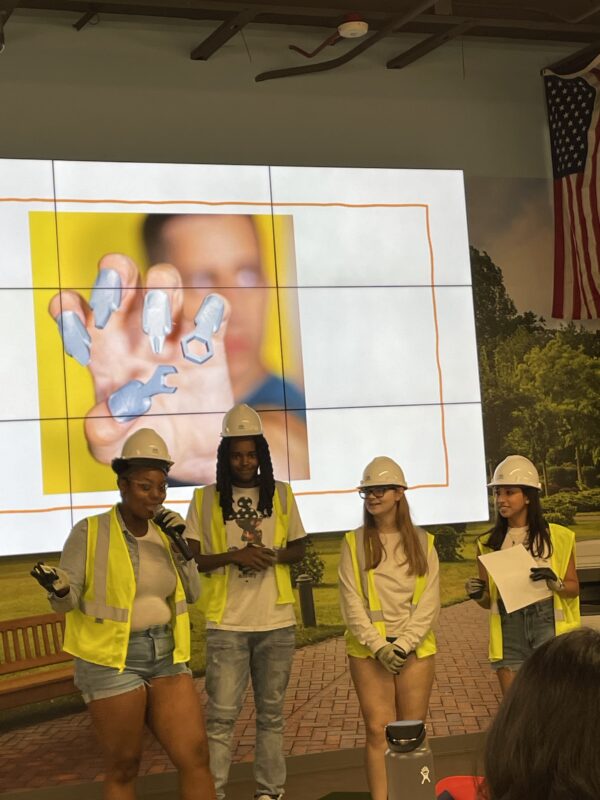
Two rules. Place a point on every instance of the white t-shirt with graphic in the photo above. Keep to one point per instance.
(251, 596)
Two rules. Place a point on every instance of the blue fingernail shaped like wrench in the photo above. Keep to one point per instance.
(135, 398)
(208, 321)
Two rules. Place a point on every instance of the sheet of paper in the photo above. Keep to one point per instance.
(510, 571)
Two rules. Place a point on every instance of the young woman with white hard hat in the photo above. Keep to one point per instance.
(390, 600)
(519, 520)
(124, 584)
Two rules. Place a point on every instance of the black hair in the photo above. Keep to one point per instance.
(540, 544)
(152, 229)
(152, 232)
(266, 481)
(123, 467)
(543, 743)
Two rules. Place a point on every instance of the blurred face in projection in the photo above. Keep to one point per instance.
(143, 492)
(220, 253)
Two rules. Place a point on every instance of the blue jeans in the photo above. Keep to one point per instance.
(232, 657)
(524, 631)
(149, 655)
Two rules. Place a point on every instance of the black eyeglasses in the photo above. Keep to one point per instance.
(376, 491)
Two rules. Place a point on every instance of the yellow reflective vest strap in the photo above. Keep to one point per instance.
(213, 539)
(566, 609)
(427, 647)
(98, 630)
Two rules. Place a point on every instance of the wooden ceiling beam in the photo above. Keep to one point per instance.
(321, 16)
(223, 34)
(426, 46)
(576, 61)
(393, 24)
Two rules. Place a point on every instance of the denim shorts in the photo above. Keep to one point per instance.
(524, 631)
(149, 655)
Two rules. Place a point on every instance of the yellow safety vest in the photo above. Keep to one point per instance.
(213, 539)
(98, 630)
(427, 647)
(566, 609)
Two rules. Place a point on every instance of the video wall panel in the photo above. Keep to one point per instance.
(335, 301)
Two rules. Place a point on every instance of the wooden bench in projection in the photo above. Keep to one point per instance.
(28, 643)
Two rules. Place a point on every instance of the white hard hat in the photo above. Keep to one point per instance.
(516, 471)
(146, 443)
(383, 471)
(241, 420)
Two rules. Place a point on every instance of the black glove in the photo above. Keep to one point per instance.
(475, 588)
(553, 582)
(173, 525)
(52, 579)
(400, 651)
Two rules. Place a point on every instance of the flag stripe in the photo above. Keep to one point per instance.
(558, 294)
(576, 286)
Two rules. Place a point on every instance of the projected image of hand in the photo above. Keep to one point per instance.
(185, 338)
(130, 339)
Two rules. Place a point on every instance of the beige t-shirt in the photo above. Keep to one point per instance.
(156, 582)
(251, 596)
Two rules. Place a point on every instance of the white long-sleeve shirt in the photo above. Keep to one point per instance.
(395, 588)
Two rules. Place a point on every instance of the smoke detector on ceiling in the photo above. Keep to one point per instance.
(353, 27)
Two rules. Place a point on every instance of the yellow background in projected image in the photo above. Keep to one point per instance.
(83, 238)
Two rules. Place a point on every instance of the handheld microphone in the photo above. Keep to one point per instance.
(164, 519)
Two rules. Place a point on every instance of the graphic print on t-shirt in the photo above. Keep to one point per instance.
(248, 519)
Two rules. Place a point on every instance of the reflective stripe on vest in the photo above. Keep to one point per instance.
(566, 609)
(365, 583)
(213, 539)
(98, 630)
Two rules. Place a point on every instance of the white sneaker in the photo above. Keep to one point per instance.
(268, 797)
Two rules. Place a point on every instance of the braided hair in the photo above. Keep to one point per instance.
(265, 477)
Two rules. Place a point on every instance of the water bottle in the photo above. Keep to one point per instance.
(409, 762)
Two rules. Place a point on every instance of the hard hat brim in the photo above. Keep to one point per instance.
(537, 486)
(379, 483)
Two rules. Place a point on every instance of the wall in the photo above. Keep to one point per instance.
(126, 89)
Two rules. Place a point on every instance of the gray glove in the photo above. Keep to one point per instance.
(52, 579)
(475, 588)
(553, 582)
(166, 518)
(389, 656)
(400, 651)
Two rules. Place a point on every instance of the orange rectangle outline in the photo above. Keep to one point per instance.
(424, 206)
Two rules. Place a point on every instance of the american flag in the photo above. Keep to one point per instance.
(574, 117)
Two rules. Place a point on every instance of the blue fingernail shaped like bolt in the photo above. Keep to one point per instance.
(76, 339)
(156, 318)
(106, 296)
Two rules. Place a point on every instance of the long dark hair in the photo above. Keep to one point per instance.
(543, 743)
(375, 548)
(540, 544)
(265, 477)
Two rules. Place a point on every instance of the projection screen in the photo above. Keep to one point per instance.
(347, 321)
